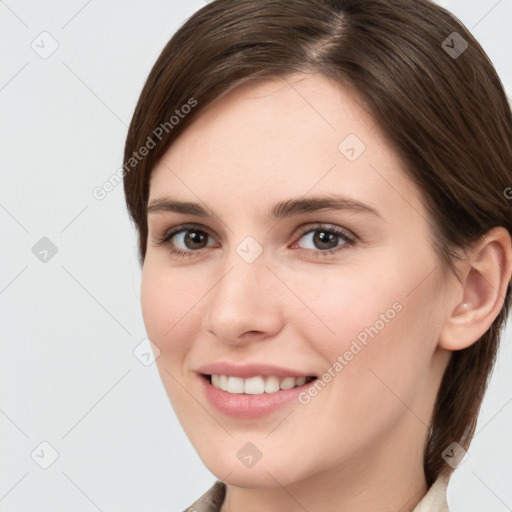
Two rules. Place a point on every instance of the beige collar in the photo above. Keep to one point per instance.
(433, 501)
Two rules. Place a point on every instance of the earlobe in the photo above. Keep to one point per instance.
(484, 281)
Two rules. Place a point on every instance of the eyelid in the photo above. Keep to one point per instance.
(350, 237)
(303, 229)
(169, 233)
(306, 228)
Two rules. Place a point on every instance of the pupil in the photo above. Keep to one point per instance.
(195, 239)
(325, 240)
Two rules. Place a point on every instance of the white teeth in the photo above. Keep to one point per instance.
(235, 385)
(271, 385)
(287, 383)
(301, 381)
(255, 385)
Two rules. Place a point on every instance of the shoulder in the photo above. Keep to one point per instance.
(211, 500)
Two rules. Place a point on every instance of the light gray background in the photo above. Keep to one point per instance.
(70, 325)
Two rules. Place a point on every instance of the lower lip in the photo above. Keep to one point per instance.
(250, 406)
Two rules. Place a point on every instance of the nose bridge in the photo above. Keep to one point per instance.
(245, 271)
(241, 301)
(243, 284)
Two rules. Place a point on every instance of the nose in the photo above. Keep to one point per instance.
(244, 304)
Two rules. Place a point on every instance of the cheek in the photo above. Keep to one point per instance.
(168, 300)
(171, 317)
(341, 305)
(154, 303)
(372, 319)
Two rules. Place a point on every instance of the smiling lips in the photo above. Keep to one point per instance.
(256, 385)
(251, 390)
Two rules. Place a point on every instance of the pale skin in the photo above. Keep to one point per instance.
(358, 445)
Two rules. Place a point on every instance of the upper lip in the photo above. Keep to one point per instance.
(250, 370)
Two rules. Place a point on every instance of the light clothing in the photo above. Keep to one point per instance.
(433, 501)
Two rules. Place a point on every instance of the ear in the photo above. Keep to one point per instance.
(484, 281)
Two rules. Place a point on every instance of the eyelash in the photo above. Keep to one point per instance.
(349, 239)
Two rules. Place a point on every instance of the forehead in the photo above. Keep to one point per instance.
(284, 137)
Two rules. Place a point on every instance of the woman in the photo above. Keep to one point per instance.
(319, 189)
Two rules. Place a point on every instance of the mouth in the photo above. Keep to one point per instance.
(256, 385)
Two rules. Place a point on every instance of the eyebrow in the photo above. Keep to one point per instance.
(279, 211)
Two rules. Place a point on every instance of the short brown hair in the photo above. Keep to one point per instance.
(440, 104)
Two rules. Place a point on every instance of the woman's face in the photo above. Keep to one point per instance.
(301, 250)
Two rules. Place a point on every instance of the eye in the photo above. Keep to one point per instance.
(188, 240)
(324, 240)
(184, 240)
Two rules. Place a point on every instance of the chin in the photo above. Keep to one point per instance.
(270, 472)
